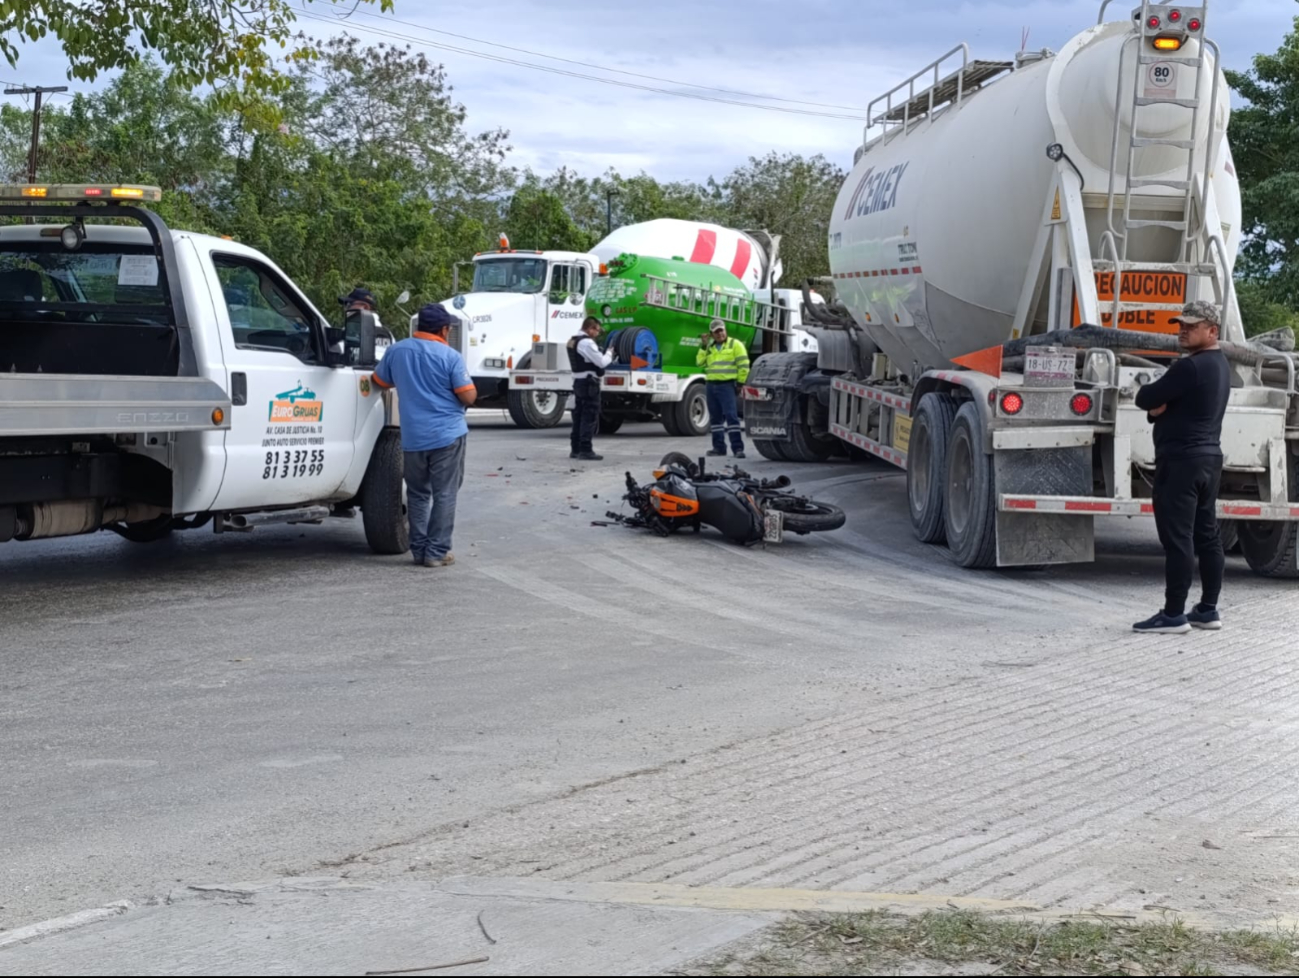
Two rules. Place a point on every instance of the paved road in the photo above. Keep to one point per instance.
(282, 703)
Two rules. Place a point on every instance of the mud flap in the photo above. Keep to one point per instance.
(1044, 538)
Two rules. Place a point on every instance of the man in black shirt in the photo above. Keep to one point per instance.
(1187, 406)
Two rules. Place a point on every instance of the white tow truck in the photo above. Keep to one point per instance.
(154, 380)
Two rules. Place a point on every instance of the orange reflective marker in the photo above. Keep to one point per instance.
(984, 361)
(637, 363)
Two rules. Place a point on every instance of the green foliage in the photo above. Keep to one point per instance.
(1266, 149)
(231, 44)
(1259, 314)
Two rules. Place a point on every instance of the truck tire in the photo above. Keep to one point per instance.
(1229, 533)
(772, 450)
(608, 425)
(927, 466)
(970, 507)
(383, 497)
(1270, 548)
(690, 414)
(535, 409)
(804, 446)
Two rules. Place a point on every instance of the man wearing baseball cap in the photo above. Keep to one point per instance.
(435, 389)
(1187, 405)
(726, 367)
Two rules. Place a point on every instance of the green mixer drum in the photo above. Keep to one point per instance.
(618, 300)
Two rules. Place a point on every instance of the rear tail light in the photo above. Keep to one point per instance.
(1194, 24)
(1012, 403)
(1153, 23)
(1081, 404)
(615, 382)
(522, 381)
(1174, 15)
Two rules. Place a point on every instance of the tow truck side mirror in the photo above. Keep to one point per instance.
(362, 333)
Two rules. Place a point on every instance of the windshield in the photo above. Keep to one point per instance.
(509, 275)
(98, 283)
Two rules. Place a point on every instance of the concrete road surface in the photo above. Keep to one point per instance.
(573, 703)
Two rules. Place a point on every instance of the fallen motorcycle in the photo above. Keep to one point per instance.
(685, 495)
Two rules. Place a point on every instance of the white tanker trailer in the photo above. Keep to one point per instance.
(996, 203)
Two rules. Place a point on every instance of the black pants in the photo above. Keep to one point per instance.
(586, 413)
(1186, 514)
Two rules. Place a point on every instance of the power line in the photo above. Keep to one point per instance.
(587, 64)
(595, 78)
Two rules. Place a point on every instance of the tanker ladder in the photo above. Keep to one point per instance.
(707, 304)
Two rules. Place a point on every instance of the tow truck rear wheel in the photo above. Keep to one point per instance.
(927, 465)
(970, 510)
(535, 409)
(608, 425)
(383, 497)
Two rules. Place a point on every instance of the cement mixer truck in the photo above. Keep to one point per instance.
(519, 298)
(1010, 248)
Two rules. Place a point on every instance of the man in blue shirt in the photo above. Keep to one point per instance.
(435, 389)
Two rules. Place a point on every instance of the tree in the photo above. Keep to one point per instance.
(537, 219)
(204, 42)
(789, 195)
(1266, 154)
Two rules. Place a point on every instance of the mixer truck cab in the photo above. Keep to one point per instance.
(154, 380)
(655, 312)
(519, 298)
(1011, 248)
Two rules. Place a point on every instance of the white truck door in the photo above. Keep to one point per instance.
(565, 301)
(291, 434)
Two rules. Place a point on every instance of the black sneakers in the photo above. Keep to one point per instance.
(1209, 621)
(1162, 624)
(591, 457)
(714, 453)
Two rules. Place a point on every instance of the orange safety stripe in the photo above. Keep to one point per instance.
(429, 336)
(467, 387)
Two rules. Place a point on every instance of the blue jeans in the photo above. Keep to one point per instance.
(432, 481)
(724, 416)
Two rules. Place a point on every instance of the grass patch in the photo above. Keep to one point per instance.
(979, 944)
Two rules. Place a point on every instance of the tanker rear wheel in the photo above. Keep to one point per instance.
(1272, 549)
(690, 414)
(771, 450)
(927, 466)
(535, 409)
(970, 511)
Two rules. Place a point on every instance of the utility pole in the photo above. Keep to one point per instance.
(608, 209)
(39, 92)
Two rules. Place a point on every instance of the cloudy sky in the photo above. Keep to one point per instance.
(812, 56)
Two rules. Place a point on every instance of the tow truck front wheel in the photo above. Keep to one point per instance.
(383, 497)
(536, 409)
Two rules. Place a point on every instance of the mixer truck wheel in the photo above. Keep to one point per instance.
(970, 512)
(688, 417)
(608, 425)
(803, 446)
(931, 430)
(535, 409)
(1229, 533)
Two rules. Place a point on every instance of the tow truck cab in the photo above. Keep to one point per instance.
(153, 379)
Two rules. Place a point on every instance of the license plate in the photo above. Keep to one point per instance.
(773, 527)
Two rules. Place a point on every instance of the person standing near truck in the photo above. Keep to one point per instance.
(1187, 406)
(726, 366)
(435, 390)
(588, 365)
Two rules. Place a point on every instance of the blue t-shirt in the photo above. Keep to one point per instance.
(427, 374)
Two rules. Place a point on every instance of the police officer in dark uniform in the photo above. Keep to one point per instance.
(588, 365)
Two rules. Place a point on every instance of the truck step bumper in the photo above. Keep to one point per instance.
(64, 404)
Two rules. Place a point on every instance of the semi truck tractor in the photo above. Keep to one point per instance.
(655, 311)
(1011, 247)
(519, 298)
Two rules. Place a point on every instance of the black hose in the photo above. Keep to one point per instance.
(1093, 337)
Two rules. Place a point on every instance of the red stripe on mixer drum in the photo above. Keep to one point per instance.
(742, 255)
(705, 247)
